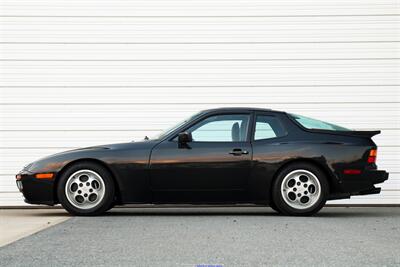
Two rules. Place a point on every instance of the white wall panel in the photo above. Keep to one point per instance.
(197, 52)
(200, 73)
(84, 72)
(189, 8)
(156, 118)
(208, 30)
(264, 95)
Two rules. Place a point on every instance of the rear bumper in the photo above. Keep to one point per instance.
(362, 184)
(374, 190)
(36, 191)
(363, 181)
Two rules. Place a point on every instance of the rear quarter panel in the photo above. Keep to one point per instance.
(332, 153)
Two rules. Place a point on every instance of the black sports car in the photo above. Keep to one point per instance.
(221, 156)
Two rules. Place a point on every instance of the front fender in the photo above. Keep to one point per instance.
(43, 191)
(55, 163)
(128, 163)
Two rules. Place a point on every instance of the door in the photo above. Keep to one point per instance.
(213, 167)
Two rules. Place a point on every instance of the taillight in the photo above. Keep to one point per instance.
(372, 156)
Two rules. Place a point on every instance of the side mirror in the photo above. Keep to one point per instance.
(184, 138)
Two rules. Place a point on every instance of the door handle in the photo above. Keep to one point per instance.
(238, 152)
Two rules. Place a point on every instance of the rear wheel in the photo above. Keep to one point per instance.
(300, 189)
(86, 188)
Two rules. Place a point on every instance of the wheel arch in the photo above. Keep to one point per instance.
(323, 167)
(91, 160)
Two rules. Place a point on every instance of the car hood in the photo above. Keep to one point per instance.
(117, 146)
(56, 161)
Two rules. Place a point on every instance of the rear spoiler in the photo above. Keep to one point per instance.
(366, 134)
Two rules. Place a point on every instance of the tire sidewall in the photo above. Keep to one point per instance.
(277, 194)
(105, 203)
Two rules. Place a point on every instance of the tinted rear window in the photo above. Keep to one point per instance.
(310, 123)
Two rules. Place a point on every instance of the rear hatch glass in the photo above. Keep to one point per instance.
(310, 123)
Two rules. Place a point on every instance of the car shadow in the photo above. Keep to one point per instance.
(328, 212)
(187, 213)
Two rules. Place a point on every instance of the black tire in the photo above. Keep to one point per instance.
(111, 206)
(273, 206)
(277, 194)
(103, 205)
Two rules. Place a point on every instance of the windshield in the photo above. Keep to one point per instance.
(310, 123)
(173, 128)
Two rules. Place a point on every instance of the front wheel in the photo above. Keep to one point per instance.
(86, 188)
(300, 189)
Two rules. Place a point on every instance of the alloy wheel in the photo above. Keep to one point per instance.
(85, 189)
(300, 189)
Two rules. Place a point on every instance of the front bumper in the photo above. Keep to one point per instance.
(36, 191)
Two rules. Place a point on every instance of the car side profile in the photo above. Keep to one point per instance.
(220, 156)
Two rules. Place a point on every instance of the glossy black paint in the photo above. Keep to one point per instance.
(166, 171)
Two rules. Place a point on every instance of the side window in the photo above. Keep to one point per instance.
(268, 127)
(221, 128)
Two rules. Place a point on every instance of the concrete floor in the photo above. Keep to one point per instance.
(18, 223)
(213, 236)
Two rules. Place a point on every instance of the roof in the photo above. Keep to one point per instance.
(242, 109)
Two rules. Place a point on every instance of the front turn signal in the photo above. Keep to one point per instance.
(44, 175)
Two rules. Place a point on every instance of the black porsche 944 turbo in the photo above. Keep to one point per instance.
(221, 156)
